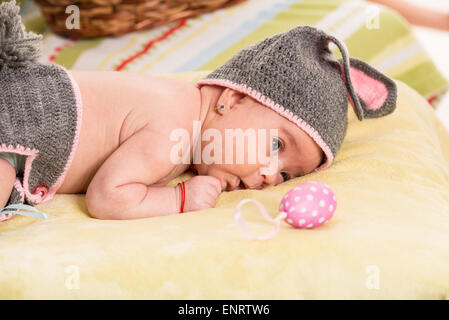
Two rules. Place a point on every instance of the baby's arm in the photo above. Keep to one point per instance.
(7, 178)
(121, 188)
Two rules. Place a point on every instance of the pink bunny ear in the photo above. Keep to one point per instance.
(371, 93)
(375, 92)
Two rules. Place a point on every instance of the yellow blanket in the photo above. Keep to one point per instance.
(389, 237)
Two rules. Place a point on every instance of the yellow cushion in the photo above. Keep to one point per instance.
(389, 237)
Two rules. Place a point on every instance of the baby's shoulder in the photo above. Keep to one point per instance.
(168, 106)
(175, 104)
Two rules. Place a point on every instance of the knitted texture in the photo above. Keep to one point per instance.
(295, 74)
(17, 47)
(38, 107)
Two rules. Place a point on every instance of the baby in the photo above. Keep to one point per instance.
(111, 135)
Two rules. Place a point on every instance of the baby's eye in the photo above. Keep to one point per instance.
(277, 144)
(285, 176)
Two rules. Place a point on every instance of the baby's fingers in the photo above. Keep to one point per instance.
(216, 184)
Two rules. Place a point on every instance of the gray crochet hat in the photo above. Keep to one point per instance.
(295, 74)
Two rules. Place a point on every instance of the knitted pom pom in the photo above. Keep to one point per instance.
(17, 47)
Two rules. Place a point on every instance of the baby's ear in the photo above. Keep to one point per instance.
(371, 93)
(375, 92)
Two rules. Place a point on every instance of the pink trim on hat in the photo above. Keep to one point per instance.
(79, 112)
(280, 110)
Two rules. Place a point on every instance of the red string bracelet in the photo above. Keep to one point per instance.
(183, 195)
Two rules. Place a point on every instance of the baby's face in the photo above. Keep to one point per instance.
(297, 153)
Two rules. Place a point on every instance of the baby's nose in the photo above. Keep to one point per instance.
(271, 175)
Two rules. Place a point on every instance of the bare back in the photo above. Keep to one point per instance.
(115, 107)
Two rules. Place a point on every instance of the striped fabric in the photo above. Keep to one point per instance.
(372, 33)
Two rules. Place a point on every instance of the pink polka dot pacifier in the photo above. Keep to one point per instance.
(309, 205)
(306, 206)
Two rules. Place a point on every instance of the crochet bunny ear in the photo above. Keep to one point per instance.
(371, 93)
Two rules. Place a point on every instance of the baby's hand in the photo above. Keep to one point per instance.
(201, 192)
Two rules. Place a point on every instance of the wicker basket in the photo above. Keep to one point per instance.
(116, 17)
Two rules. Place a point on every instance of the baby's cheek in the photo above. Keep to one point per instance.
(231, 156)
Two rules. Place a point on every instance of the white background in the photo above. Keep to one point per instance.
(436, 43)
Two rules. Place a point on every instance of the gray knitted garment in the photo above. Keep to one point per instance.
(295, 74)
(38, 108)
